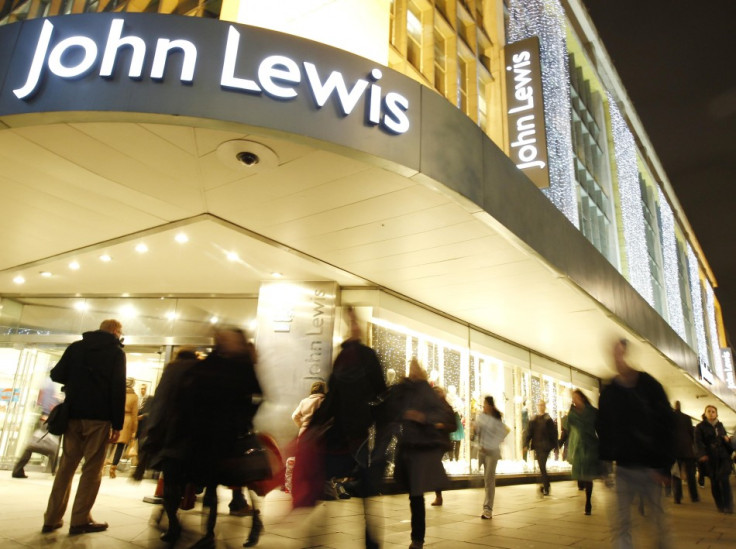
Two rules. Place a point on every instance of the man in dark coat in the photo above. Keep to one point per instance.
(635, 424)
(685, 454)
(93, 374)
(541, 436)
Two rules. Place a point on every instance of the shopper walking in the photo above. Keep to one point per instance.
(168, 438)
(130, 426)
(713, 447)
(490, 432)
(685, 454)
(635, 424)
(541, 436)
(582, 444)
(92, 371)
(426, 421)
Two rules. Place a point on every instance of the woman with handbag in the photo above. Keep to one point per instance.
(224, 397)
(426, 421)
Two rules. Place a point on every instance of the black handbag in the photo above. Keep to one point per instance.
(247, 463)
(58, 419)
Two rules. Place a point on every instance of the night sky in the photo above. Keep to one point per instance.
(677, 60)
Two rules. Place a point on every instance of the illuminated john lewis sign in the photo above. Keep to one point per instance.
(527, 137)
(277, 76)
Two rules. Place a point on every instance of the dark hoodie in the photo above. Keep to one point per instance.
(93, 374)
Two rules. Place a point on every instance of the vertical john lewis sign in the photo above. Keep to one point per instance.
(527, 134)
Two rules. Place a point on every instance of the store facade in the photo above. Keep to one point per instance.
(358, 183)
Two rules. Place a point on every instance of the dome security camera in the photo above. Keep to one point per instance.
(247, 158)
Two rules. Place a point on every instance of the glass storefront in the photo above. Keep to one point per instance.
(467, 363)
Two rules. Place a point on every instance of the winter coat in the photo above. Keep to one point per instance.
(220, 407)
(709, 442)
(684, 436)
(582, 443)
(304, 412)
(541, 435)
(92, 372)
(635, 424)
(168, 434)
(356, 381)
(418, 466)
(130, 422)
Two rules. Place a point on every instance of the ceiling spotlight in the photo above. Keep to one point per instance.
(105, 258)
(232, 256)
(141, 248)
(19, 280)
(171, 315)
(181, 238)
(128, 311)
(74, 265)
(277, 275)
(214, 320)
(45, 274)
(81, 306)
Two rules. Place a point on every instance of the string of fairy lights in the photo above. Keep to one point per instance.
(635, 239)
(675, 315)
(546, 20)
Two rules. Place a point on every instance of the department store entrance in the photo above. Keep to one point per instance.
(28, 392)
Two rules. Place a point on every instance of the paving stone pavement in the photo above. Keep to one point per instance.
(522, 519)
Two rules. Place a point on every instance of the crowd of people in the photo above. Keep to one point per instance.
(353, 428)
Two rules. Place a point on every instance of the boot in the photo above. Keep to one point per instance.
(255, 530)
(113, 471)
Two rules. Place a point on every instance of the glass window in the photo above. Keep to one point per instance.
(414, 40)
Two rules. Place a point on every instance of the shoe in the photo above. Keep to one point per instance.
(588, 508)
(342, 493)
(20, 474)
(437, 502)
(47, 528)
(486, 516)
(255, 530)
(89, 528)
(113, 471)
(416, 545)
(172, 534)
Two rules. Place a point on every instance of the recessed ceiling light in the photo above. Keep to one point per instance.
(214, 320)
(19, 280)
(105, 258)
(232, 256)
(45, 274)
(277, 275)
(181, 238)
(74, 265)
(81, 306)
(125, 294)
(141, 248)
(171, 315)
(128, 311)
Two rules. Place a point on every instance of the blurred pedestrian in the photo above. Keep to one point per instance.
(168, 440)
(93, 374)
(714, 450)
(223, 395)
(635, 424)
(335, 444)
(490, 433)
(541, 436)
(426, 421)
(130, 426)
(583, 450)
(685, 455)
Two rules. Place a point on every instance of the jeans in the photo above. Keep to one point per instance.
(490, 461)
(632, 484)
(542, 457)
